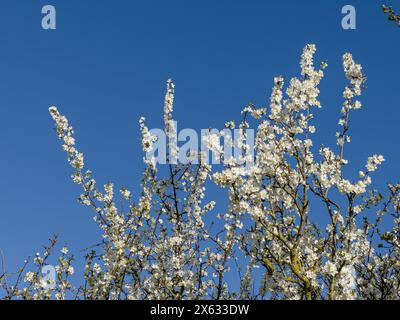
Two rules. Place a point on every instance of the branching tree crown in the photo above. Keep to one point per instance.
(170, 243)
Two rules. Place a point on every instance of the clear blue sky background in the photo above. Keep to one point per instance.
(106, 65)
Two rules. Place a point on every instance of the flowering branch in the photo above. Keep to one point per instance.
(392, 16)
(172, 244)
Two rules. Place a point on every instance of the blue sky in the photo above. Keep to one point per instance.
(106, 65)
